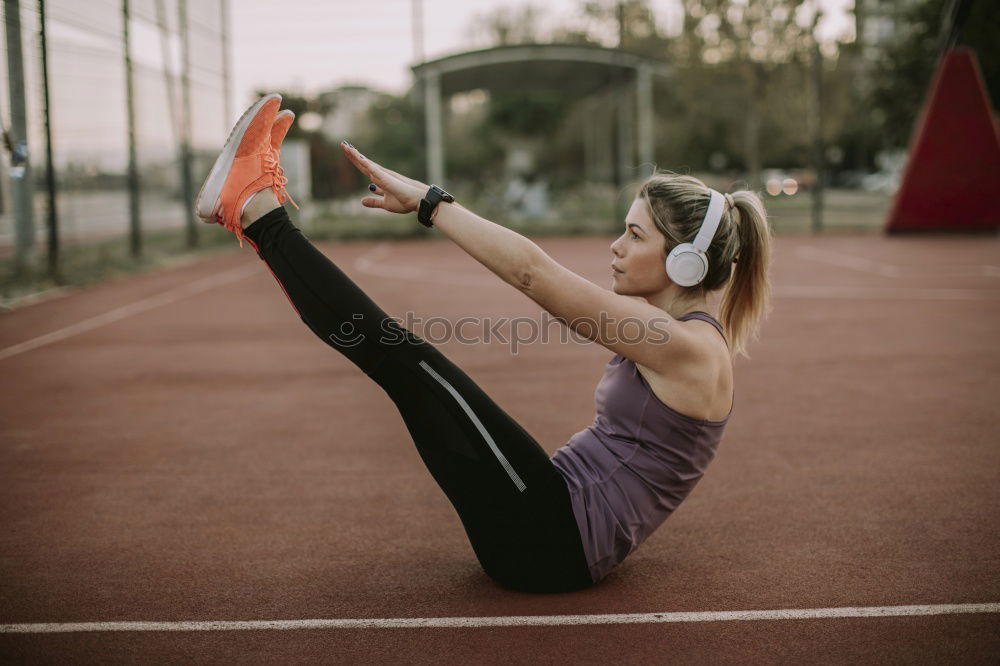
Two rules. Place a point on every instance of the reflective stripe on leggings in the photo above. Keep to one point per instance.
(468, 410)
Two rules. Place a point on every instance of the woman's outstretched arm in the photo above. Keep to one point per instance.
(505, 252)
(628, 326)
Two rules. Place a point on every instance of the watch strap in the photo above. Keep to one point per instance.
(434, 196)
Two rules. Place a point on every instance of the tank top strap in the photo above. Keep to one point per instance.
(704, 316)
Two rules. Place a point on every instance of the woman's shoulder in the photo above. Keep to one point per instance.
(700, 386)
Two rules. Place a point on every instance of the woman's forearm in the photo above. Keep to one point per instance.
(505, 252)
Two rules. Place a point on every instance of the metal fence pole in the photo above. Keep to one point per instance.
(618, 138)
(20, 171)
(134, 207)
(227, 84)
(50, 169)
(817, 157)
(187, 186)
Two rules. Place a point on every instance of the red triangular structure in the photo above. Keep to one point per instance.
(952, 174)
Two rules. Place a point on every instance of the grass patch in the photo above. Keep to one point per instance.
(326, 225)
(843, 211)
(585, 211)
(91, 262)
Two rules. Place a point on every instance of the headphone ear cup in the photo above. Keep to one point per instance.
(686, 265)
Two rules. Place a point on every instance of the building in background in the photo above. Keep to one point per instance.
(346, 107)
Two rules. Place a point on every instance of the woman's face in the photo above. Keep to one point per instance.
(639, 255)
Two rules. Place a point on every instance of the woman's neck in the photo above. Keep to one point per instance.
(676, 304)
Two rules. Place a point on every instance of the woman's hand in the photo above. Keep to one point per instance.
(396, 193)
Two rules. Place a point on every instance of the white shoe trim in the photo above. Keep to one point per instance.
(208, 197)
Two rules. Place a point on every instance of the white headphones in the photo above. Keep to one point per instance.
(687, 263)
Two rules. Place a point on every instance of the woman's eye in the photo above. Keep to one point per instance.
(634, 236)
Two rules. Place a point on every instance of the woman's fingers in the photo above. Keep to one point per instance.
(375, 172)
(363, 165)
(415, 183)
(353, 156)
(371, 169)
(398, 193)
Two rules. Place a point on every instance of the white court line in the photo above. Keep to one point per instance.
(504, 621)
(363, 263)
(891, 293)
(933, 271)
(370, 263)
(136, 307)
(367, 263)
(851, 261)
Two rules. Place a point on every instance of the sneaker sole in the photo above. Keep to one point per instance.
(208, 198)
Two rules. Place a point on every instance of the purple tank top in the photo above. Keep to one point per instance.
(630, 468)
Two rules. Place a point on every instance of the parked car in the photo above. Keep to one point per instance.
(881, 181)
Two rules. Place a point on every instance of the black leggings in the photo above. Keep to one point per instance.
(512, 501)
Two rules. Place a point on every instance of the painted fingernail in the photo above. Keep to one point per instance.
(372, 187)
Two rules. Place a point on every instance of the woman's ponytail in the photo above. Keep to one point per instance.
(746, 300)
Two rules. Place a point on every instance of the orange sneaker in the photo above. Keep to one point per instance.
(247, 165)
(282, 123)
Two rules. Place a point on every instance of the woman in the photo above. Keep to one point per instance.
(537, 523)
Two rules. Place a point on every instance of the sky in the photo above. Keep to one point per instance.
(313, 45)
(319, 44)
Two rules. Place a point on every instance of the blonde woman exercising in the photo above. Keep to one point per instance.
(537, 523)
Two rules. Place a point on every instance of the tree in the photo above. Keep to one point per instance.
(627, 24)
(902, 74)
(759, 38)
(509, 25)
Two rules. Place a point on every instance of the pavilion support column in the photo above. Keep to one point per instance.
(433, 127)
(621, 152)
(625, 139)
(593, 142)
(644, 100)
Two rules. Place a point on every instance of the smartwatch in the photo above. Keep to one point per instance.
(434, 196)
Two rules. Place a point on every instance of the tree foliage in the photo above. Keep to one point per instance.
(739, 96)
(906, 65)
(508, 25)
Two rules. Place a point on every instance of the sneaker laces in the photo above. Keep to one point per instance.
(272, 165)
(278, 182)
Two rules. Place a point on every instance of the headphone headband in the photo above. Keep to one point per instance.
(711, 222)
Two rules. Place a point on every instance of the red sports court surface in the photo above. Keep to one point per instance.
(179, 449)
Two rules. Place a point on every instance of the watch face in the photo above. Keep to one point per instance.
(444, 195)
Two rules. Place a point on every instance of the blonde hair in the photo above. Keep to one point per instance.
(739, 256)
